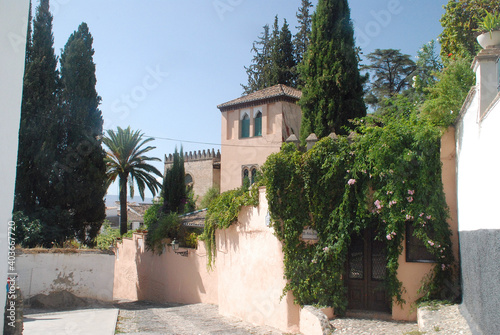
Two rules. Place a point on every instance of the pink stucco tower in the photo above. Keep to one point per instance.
(253, 127)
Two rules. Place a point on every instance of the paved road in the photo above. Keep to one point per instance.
(162, 319)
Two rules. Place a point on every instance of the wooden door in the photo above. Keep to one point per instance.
(366, 270)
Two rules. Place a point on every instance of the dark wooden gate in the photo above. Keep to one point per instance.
(366, 270)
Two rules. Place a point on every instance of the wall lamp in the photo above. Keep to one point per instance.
(175, 247)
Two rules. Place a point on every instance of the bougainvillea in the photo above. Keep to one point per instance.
(387, 176)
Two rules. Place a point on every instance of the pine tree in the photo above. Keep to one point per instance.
(333, 91)
(302, 38)
(282, 56)
(81, 160)
(174, 187)
(38, 115)
(259, 71)
(273, 62)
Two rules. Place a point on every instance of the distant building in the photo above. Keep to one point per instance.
(202, 170)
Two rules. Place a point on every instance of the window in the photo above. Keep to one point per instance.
(415, 248)
(245, 126)
(245, 176)
(258, 124)
(188, 179)
(254, 175)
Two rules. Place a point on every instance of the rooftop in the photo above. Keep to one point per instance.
(276, 92)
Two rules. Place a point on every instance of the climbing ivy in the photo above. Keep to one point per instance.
(387, 176)
(223, 212)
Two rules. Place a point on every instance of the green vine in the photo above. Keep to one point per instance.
(386, 177)
(223, 212)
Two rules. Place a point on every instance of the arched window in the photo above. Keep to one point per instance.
(245, 126)
(254, 175)
(188, 179)
(258, 124)
(245, 176)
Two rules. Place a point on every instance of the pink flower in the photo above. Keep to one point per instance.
(428, 217)
(411, 192)
(410, 199)
(389, 192)
(421, 214)
(409, 217)
(393, 202)
(378, 204)
(389, 237)
(443, 267)
(351, 182)
(314, 261)
(325, 249)
(430, 243)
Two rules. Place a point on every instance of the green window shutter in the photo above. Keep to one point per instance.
(245, 127)
(258, 125)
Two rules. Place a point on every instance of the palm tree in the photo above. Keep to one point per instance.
(125, 158)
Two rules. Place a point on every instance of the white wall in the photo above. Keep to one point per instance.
(478, 163)
(13, 27)
(85, 274)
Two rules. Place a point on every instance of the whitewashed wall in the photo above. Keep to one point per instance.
(85, 274)
(478, 185)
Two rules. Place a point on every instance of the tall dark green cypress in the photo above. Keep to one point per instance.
(333, 91)
(174, 186)
(260, 70)
(80, 164)
(38, 115)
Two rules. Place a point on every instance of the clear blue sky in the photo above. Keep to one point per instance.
(163, 66)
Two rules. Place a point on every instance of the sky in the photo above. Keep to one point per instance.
(163, 66)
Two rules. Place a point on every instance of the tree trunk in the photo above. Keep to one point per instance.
(123, 204)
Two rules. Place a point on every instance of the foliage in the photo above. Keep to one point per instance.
(489, 23)
(107, 237)
(212, 194)
(446, 96)
(459, 22)
(81, 158)
(191, 240)
(152, 213)
(28, 232)
(125, 159)
(427, 65)
(390, 175)
(38, 135)
(274, 61)
(167, 226)
(174, 187)
(392, 73)
(302, 38)
(223, 212)
(333, 88)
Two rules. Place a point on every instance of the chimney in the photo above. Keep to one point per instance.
(487, 68)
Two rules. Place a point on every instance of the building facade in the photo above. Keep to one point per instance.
(202, 170)
(253, 127)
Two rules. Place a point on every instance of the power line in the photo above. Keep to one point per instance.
(216, 144)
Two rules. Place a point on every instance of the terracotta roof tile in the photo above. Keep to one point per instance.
(273, 92)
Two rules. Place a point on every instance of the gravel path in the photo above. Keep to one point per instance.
(371, 327)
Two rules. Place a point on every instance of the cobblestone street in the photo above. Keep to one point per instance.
(150, 318)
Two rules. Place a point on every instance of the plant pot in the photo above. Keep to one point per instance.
(487, 40)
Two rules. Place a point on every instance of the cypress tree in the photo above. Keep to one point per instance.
(333, 91)
(174, 186)
(38, 116)
(81, 166)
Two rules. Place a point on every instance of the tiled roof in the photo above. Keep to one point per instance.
(194, 219)
(273, 92)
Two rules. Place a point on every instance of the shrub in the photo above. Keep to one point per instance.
(167, 226)
(209, 197)
(107, 237)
